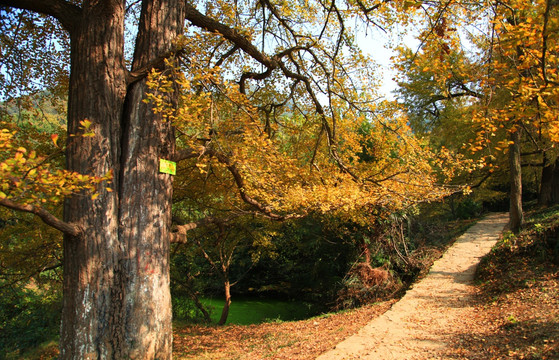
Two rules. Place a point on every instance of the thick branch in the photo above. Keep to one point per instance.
(157, 63)
(253, 76)
(68, 14)
(179, 235)
(261, 76)
(44, 215)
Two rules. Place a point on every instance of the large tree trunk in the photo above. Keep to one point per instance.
(117, 301)
(549, 189)
(516, 214)
(97, 89)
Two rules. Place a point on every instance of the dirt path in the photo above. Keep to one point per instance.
(418, 326)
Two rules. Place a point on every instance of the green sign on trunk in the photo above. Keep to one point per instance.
(167, 167)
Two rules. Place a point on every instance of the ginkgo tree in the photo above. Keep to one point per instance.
(493, 68)
(527, 44)
(294, 117)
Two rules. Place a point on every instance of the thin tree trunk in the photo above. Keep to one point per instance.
(555, 186)
(187, 285)
(201, 307)
(516, 214)
(227, 305)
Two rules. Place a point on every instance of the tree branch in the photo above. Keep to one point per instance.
(185, 154)
(366, 10)
(239, 182)
(200, 20)
(271, 63)
(68, 14)
(226, 55)
(179, 235)
(157, 63)
(48, 218)
(241, 186)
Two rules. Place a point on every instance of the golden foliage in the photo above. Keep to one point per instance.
(32, 179)
(288, 166)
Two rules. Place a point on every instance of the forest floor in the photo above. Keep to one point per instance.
(511, 311)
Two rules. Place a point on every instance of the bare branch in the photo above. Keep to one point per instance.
(47, 217)
(209, 24)
(226, 55)
(284, 22)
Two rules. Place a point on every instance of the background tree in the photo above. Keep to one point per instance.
(505, 72)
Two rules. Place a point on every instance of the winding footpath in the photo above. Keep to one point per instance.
(419, 325)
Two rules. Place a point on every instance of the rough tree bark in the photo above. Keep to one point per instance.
(117, 301)
(96, 93)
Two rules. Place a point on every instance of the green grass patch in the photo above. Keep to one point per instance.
(246, 311)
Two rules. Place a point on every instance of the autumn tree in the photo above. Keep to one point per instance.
(507, 73)
(523, 63)
(296, 88)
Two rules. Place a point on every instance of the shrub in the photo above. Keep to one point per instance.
(28, 317)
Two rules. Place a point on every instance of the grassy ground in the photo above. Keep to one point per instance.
(246, 311)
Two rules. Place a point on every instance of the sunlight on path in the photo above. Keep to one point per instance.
(431, 311)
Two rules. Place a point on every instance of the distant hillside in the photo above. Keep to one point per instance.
(43, 111)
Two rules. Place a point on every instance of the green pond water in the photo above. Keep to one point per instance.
(255, 311)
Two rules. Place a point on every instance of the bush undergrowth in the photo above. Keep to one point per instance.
(29, 317)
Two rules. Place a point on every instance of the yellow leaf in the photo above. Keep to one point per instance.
(54, 138)
(85, 123)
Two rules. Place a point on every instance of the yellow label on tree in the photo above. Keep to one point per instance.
(167, 167)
